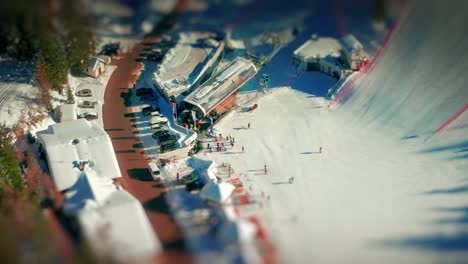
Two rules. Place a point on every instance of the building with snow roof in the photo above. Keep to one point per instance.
(97, 65)
(331, 56)
(190, 62)
(72, 143)
(218, 94)
(83, 165)
(321, 54)
(119, 226)
(352, 51)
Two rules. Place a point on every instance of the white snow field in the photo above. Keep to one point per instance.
(387, 188)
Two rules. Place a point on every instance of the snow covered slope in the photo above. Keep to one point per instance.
(420, 79)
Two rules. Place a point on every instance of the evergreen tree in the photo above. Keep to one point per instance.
(54, 60)
(9, 165)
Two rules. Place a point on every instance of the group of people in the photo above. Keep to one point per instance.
(220, 146)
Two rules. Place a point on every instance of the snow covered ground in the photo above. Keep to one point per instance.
(356, 201)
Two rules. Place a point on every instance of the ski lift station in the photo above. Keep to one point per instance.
(190, 62)
(218, 94)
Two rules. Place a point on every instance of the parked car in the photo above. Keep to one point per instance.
(154, 171)
(158, 120)
(166, 139)
(158, 127)
(189, 178)
(147, 110)
(156, 113)
(84, 93)
(144, 91)
(168, 147)
(89, 116)
(160, 133)
(87, 104)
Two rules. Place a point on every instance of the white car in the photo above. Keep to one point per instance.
(158, 120)
(156, 113)
(157, 127)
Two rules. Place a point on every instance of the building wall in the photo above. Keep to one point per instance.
(325, 67)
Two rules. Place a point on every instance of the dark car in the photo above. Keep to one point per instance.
(144, 91)
(147, 110)
(87, 104)
(89, 116)
(84, 93)
(168, 147)
(166, 139)
(158, 134)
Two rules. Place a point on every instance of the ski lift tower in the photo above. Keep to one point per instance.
(264, 81)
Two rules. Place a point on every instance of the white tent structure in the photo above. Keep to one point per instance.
(88, 187)
(119, 227)
(71, 142)
(217, 192)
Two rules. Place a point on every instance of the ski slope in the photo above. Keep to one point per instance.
(420, 79)
(390, 185)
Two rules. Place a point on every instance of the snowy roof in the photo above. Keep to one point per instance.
(69, 142)
(217, 192)
(94, 61)
(119, 226)
(68, 112)
(187, 62)
(317, 49)
(228, 80)
(350, 43)
(89, 186)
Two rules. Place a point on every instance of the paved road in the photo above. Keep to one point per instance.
(133, 164)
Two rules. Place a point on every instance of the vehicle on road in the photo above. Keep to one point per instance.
(84, 93)
(168, 147)
(87, 104)
(154, 171)
(144, 91)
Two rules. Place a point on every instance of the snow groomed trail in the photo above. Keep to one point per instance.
(391, 184)
(420, 80)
